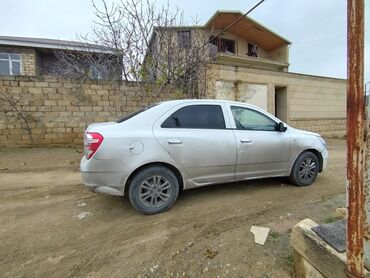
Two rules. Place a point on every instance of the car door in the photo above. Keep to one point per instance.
(262, 149)
(196, 137)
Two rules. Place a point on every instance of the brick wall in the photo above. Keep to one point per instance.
(58, 110)
(28, 62)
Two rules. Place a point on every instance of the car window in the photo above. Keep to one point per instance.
(196, 116)
(250, 119)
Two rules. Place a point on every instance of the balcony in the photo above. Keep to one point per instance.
(250, 62)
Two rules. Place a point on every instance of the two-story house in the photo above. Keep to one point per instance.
(252, 65)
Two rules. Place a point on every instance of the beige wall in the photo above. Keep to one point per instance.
(58, 110)
(255, 94)
(28, 58)
(280, 54)
(313, 103)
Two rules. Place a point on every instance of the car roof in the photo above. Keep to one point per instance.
(200, 101)
(216, 101)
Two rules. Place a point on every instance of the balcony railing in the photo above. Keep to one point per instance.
(252, 62)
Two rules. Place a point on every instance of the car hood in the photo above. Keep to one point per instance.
(304, 132)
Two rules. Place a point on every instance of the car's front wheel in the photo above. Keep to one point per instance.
(305, 169)
(153, 189)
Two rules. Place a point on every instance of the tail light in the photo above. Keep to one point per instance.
(92, 142)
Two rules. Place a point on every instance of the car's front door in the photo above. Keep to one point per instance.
(262, 149)
(196, 137)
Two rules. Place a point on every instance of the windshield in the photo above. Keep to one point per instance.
(136, 113)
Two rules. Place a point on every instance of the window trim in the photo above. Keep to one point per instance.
(10, 62)
(192, 128)
(254, 110)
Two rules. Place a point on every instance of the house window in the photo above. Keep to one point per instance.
(252, 50)
(184, 39)
(224, 45)
(10, 64)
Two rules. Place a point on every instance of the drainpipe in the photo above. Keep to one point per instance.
(356, 139)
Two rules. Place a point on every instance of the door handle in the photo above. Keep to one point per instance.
(242, 140)
(174, 141)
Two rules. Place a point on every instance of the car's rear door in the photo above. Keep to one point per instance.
(196, 136)
(262, 149)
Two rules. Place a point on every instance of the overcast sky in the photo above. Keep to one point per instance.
(316, 28)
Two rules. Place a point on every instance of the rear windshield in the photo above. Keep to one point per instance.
(136, 113)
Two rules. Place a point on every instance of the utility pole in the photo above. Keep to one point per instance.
(356, 139)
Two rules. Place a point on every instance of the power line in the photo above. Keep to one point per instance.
(341, 36)
(234, 22)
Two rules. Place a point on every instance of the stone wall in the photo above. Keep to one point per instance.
(58, 110)
(28, 61)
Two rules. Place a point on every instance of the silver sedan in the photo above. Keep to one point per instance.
(175, 145)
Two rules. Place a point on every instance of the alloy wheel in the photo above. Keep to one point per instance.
(307, 169)
(155, 191)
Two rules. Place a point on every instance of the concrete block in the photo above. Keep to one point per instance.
(35, 90)
(316, 252)
(41, 84)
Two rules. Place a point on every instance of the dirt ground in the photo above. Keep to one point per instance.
(51, 226)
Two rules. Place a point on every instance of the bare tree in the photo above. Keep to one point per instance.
(88, 64)
(9, 104)
(150, 45)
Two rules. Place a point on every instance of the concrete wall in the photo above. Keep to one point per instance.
(280, 54)
(58, 110)
(313, 103)
(255, 94)
(28, 58)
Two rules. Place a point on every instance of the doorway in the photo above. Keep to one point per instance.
(281, 103)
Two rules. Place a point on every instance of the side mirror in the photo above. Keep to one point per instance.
(281, 127)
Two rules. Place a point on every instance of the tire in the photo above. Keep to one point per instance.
(153, 190)
(305, 169)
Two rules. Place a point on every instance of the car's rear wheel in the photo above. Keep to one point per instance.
(305, 169)
(153, 189)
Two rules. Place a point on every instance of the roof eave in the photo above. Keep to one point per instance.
(81, 48)
(249, 18)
